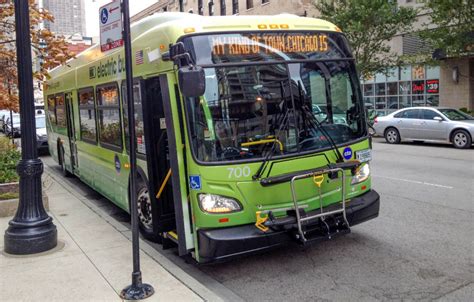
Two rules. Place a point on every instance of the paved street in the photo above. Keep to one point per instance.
(421, 246)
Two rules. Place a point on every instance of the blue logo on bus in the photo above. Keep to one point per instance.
(117, 164)
(347, 153)
(104, 15)
(195, 182)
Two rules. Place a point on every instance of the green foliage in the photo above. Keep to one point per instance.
(454, 32)
(9, 195)
(9, 157)
(369, 25)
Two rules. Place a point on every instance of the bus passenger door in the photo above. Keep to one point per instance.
(71, 130)
(157, 154)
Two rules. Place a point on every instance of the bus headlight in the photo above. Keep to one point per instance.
(218, 204)
(361, 175)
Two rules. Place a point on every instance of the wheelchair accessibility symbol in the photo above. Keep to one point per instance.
(195, 182)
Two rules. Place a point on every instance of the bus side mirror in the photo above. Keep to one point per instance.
(192, 81)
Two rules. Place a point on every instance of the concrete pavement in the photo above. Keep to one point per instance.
(92, 262)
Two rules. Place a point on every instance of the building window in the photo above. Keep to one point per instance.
(138, 110)
(87, 115)
(223, 8)
(210, 5)
(110, 129)
(401, 87)
(200, 7)
(249, 4)
(235, 7)
(265, 1)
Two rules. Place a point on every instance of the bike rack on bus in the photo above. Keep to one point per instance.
(322, 214)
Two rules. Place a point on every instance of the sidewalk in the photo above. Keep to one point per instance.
(93, 260)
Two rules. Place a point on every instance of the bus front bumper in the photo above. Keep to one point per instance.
(221, 244)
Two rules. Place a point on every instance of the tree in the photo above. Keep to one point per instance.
(369, 25)
(45, 45)
(454, 26)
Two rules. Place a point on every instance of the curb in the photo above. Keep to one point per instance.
(215, 292)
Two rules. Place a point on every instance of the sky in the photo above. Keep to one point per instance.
(92, 12)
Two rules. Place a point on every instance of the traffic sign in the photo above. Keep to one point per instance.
(110, 19)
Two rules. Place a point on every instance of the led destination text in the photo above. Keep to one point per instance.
(255, 44)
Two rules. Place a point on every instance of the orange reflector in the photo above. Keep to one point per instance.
(273, 26)
(364, 187)
(262, 26)
(126, 166)
(224, 220)
(189, 30)
(284, 26)
(162, 46)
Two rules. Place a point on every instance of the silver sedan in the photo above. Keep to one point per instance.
(436, 124)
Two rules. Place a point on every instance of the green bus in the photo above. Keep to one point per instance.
(251, 131)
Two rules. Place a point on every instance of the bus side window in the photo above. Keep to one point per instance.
(51, 109)
(60, 111)
(108, 109)
(138, 109)
(87, 115)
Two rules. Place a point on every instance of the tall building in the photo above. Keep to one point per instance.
(69, 16)
(232, 7)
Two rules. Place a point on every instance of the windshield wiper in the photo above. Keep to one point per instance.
(283, 122)
(268, 156)
(314, 121)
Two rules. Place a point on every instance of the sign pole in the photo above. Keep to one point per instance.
(137, 290)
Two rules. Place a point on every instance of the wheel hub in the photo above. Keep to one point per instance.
(144, 208)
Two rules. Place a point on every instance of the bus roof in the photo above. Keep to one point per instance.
(161, 29)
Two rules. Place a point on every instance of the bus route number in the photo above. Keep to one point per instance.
(239, 172)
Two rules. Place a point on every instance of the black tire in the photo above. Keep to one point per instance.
(461, 139)
(392, 136)
(62, 163)
(145, 212)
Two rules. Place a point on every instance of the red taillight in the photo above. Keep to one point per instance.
(375, 120)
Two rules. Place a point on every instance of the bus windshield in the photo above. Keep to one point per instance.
(287, 107)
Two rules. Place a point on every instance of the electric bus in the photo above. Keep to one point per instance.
(234, 154)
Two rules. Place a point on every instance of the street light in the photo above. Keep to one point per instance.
(31, 230)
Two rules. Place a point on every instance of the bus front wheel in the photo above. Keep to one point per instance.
(145, 213)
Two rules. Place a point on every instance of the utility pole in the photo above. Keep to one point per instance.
(31, 230)
(137, 290)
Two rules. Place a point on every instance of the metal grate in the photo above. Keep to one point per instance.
(412, 44)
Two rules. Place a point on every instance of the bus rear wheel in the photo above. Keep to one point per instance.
(145, 213)
(62, 163)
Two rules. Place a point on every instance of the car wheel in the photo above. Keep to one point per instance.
(145, 213)
(461, 139)
(392, 136)
(62, 163)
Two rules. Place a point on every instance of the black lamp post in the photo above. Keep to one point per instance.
(31, 230)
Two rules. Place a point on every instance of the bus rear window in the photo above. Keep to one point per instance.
(268, 46)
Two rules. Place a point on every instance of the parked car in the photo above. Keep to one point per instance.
(16, 131)
(3, 118)
(436, 124)
(320, 112)
(41, 135)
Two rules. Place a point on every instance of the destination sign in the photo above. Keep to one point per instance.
(230, 45)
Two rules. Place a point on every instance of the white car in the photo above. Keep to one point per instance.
(436, 124)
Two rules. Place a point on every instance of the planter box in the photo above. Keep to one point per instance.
(8, 207)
